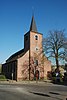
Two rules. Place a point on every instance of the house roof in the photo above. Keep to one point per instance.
(33, 25)
(15, 56)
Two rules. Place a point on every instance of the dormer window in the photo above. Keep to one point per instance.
(36, 37)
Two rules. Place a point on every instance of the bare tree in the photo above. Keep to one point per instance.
(65, 48)
(54, 45)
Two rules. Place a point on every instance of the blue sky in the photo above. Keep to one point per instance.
(15, 18)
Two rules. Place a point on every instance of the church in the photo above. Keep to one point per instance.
(29, 63)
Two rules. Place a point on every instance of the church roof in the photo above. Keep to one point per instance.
(33, 25)
(15, 56)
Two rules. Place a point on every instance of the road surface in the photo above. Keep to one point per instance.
(32, 92)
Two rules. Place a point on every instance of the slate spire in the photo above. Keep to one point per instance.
(33, 25)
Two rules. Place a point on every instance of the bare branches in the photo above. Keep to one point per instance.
(54, 45)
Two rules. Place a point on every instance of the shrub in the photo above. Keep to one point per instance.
(2, 77)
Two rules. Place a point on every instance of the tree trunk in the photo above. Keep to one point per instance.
(56, 57)
(57, 63)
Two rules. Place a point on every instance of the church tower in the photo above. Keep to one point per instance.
(33, 39)
(33, 44)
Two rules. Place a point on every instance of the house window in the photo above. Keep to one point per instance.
(36, 37)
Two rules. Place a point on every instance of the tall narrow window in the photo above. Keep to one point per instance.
(36, 62)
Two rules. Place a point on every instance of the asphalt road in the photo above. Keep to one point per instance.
(32, 92)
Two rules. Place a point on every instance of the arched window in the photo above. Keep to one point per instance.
(36, 37)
